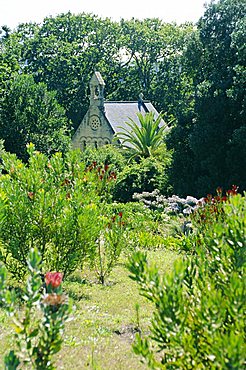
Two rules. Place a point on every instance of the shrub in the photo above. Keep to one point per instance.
(110, 241)
(40, 323)
(49, 203)
(105, 155)
(147, 175)
(198, 321)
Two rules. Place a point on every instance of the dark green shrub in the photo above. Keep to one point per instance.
(147, 175)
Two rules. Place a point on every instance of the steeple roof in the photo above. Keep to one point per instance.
(97, 79)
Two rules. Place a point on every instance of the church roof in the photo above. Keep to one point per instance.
(118, 113)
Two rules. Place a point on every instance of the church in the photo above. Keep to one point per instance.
(104, 119)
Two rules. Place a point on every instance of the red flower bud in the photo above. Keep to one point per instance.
(219, 190)
(54, 279)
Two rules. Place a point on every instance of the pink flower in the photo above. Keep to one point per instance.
(54, 279)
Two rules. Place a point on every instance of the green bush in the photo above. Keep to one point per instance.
(147, 175)
(49, 203)
(146, 228)
(105, 155)
(107, 247)
(198, 322)
(61, 206)
(39, 324)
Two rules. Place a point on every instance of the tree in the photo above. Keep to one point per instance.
(208, 143)
(142, 139)
(64, 51)
(8, 60)
(220, 111)
(30, 113)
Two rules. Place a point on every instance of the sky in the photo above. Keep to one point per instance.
(13, 12)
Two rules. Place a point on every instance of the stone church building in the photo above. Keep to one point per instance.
(106, 118)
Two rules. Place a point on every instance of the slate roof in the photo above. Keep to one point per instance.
(119, 112)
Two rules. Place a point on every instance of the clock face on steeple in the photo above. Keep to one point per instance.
(94, 122)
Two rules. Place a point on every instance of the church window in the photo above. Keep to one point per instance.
(94, 122)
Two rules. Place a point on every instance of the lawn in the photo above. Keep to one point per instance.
(104, 319)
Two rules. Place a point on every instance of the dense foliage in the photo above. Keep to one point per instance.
(30, 113)
(198, 320)
(210, 148)
(67, 204)
(61, 207)
(194, 75)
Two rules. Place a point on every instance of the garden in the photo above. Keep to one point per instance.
(90, 282)
(124, 256)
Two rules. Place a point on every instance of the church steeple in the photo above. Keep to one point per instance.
(97, 90)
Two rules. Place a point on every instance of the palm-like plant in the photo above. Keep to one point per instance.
(142, 138)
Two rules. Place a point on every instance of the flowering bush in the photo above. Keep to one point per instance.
(39, 324)
(51, 203)
(199, 306)
(211, 208)
(104, 179)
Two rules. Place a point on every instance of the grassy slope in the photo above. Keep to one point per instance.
(104, 325)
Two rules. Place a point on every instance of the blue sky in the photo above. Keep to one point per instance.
(13, 12)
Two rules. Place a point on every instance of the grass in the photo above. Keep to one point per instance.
(103, 328)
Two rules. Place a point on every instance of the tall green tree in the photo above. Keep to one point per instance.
(133, 56)
(64, 51)
(30, 113)
(8, 60)
(210, 145)
(220, 102)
